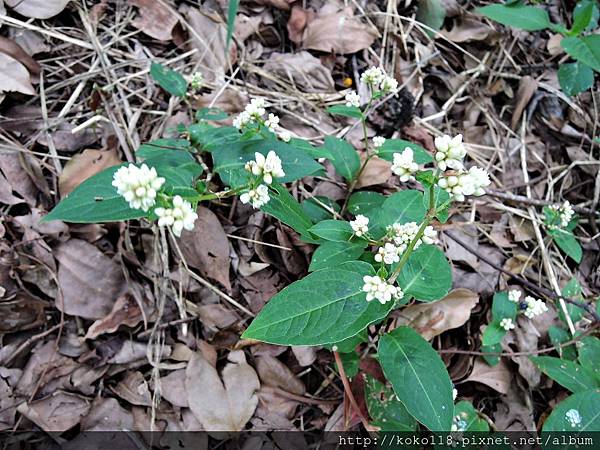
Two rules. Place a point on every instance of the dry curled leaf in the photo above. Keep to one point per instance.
(14, 50)
(225, 405)
(125, 311)
(37, 9)
(155, 19)
(302, 70)
(84, 165)
(57, 412)
(14, 76)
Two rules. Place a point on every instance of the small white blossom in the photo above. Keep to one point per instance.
(429, 235)
(372, 76)
(377, 288)
(388, 85)
(285, 136)
(352, 99)
(534, 307)
(360, 225)
(479, 178)
(272, 122)
(196, 80)
(465, 183)
(573, 417)
(404, 164)
(565, 214)
(514, 295)
(388, 254)
(403, 235)
(138, 185)
(454, 393)
(179, 216)
(253, 112)
(256, 197)
(268, 168)
(378, 141)
(507, 324)
(450, 152)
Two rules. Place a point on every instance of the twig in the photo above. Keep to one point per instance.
(532, 201)
(349, 393)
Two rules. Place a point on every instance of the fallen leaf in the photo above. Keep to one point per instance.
(84, 165)
(468, 30)
(302, 70)
(154, 19)
(89, 280)
(377, 171)
(216, 316)
(337, 32)
(432, 319)
(206, 247)
(273, 372)
(14, 76)
(106, 414)
(57, 412)
(527, 87)
(37, 9)
(14, 50)
(126, 311)
(21, 313)
(498, 377)
(296, 25)
(225, 405)
(306, 355)
(173, 388)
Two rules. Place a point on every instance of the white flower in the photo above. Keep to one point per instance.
(388, 254)
(377, 288)
(429, 235)
(450, 152)
(454, 393)
(352, 99)
(268, 168)
(256, 197)
(465, 183)
(254, 111)
(272, 122)
(138, 185)
(514, 295)
(360, 225)
(179, 216)
(378, 141)
(534, 307)
(404, 164)
(507, 324)
(479, 178)
(196, 80)
(565, 214)
(285, 136)
(372, 76)
(403, 235)
(388, 85)
(573, 417)
(242, 120)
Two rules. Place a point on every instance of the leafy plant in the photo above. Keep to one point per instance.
(583, 48)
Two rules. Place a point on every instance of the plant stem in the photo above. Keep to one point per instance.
(348, 391)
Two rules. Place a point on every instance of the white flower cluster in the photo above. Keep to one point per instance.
(388, 254)
(450, 152)
(255, 112)
(352, 99)
(360, 225)
(507, 323)
(196, 80)
(514, 296)
(256, 197)
(378, 80)
(533, 307)
(378, 141)
(565, 214)
(400, 236)
(573, 417)
(380, 289)
(138, 185)
(404, 164)
(268, 167)
(179, 216)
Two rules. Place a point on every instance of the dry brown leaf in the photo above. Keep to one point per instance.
(498, 377)
(280, 4)
(432, 319)
(125, 311)
(216, 317)
(206, 247)
(134, 389)
(57, 412)
(14, 50)
(297, 23)
(305, 355)
(172, 388)
(21, 313)
(14, 76)
(155, 19)
(84, 165)
(527, 87)
(468, 30)
(376, 172)
(107, 415)
(89, 280)
(273, 372)
(37, 9)
(338, 32)
(222, 405)
(302, 70)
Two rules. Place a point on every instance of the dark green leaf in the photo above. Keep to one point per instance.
(584, 49)
(559, 336)
(528, 18)
(345, 159)
(333, 230)
(431, 13)
(364, 201)
(492, 360)
(315, 208)
(211, 114)
(212, 138)
(391, 146)
(331, 254)
(284, 207)
(582, 16)
(426, 275)
(572, 290)
(386, 411)
(575, 78)
(493, 334)
(349, 345)
(350, 361)
(231, 13)
(567, 242)
(568, 374)
(589, 354)
(171, 81)
(587, 404)
(401, 207)
(469, 418)
(502, 307)
(343, 110)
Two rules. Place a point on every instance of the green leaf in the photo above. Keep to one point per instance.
(502, 307)
(349, 345)
(466, 413)
(325, 307)
(584, 49)
(309, 149)
(575, 78)
(386, 411)
(559, 336)
(418, 376)
(567, 242)
(528, 18)
(313, 207)
(391, 146)
(580, 9)
(284, 207)
(345, 159)
(401, 207)
(159, 147)
(350, 361)
(343, 110)
(364, 201)
(231, 13)
(333, 230)
(441, 200)
(572, 290)
(171, 81)
(492, 360)
(427, 275)
(587, 404)
(94, 201)
(431, 13)
(211, 138)
(582, 16)
(493, 334)
(211, 114)
(568, 374)
(331, 254)
(589, 354)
